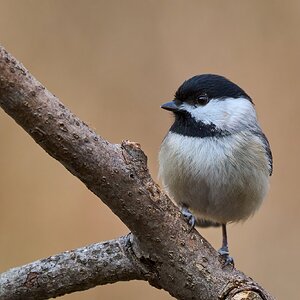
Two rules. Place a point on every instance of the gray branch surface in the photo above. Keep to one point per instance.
(70, 271)
(163, 250)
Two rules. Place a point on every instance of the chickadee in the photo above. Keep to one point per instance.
(215, 161)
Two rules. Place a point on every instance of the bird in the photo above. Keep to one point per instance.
(215, 161)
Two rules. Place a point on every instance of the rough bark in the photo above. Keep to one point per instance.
(179, 261)
(71, 271)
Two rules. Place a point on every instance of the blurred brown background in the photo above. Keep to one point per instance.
(113, 63)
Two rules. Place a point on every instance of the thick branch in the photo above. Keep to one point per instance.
(183, 263)
(71, 271)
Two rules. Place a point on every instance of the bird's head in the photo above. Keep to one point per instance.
(208, 105)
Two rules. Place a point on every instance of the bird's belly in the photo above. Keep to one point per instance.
(215, 181)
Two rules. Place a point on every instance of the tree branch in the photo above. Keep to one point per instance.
(72, 271)
(182, 263)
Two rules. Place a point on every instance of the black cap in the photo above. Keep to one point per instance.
(210, 85)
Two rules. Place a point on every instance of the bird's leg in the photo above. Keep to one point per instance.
(224, 251)
(187, 214)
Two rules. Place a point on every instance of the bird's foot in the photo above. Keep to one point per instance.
(189, 216)
(225, 254)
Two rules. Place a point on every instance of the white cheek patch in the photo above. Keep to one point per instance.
(225, 113)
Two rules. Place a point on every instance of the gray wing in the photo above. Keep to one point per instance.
(268, 150)
(269, 153)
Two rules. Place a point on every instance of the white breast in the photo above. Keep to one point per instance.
(222, 179)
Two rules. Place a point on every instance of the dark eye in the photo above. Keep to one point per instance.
(202, 99)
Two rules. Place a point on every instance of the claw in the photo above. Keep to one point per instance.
(225, 255)
(189, 216)
(224, 251)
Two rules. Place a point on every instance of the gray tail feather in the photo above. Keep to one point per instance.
(206, 223)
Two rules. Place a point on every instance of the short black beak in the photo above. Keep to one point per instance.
(170, 106)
